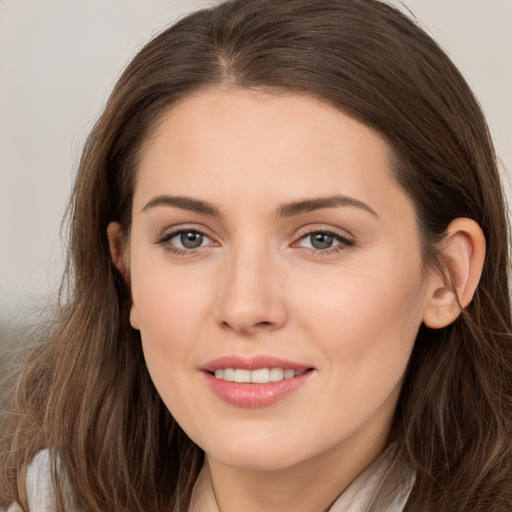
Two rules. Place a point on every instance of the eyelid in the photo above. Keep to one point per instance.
(345, 239)
(171, 232)
(318, 228)
(345, 242)
(179, 228)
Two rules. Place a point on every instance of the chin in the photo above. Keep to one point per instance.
(252, 461)
(251, 452)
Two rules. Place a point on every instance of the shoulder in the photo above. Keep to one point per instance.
(40, 493)
(40, 488)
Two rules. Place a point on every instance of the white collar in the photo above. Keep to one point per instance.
(358, 497)
(361, 494)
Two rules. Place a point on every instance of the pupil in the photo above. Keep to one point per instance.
(191, 239)
(321, 241)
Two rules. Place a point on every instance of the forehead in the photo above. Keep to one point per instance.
(245, 143)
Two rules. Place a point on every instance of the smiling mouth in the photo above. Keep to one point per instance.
(258, 376)
(255, 382)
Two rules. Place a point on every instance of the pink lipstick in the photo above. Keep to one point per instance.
(257, 381)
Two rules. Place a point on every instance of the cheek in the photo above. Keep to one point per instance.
(173, 307)
(365, 327)
(365, 317)
(166, 300)
(166, 317)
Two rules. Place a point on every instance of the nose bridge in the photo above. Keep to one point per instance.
(251, 295)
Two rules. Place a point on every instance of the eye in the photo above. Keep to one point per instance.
(189, 239)
(323, 241)
(185, 240)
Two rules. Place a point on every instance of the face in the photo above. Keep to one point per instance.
(276, 275)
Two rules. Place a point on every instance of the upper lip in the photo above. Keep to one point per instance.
(252, 363)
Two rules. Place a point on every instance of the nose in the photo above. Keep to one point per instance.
(252, 297)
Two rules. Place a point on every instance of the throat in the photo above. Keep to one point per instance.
(253, 491)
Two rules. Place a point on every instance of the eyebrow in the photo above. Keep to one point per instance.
(309, 205)
(285, 210)
(185, 203)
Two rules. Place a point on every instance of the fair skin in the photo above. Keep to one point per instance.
(239, 270)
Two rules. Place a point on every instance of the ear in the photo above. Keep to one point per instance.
(117, 248)
(461, 260)
(119, 255)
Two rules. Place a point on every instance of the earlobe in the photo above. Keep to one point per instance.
(117, 249)
(134, 317)
(462, 258)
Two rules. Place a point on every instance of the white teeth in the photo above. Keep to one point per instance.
(229, 374)
(242, 375)
(276, 374)
(288, 374)
(259, 376)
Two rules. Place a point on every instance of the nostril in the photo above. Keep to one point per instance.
(262, 325)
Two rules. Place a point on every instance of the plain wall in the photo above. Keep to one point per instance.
(59, 60)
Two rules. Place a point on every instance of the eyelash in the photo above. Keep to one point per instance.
(165, 239)
(343, 245)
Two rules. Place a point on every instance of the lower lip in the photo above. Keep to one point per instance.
(242, 394)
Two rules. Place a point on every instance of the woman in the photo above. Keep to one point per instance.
(288, 281)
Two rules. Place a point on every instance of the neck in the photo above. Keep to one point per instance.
(311, 485)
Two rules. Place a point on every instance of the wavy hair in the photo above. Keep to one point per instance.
(86, 391)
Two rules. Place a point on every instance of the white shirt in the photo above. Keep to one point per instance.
(358, 497)
(40, 494)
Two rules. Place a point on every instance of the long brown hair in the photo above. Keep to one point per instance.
(86, 391)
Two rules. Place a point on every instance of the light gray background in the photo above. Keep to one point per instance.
(60, 58)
